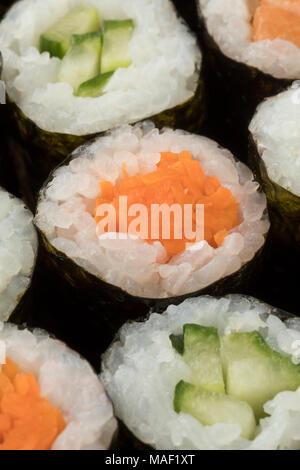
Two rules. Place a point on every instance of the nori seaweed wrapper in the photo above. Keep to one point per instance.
(46, 150)
(124, 438)
(25, 303)
(235, 90)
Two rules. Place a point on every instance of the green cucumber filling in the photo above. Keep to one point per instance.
(89, 55)
(231, 377)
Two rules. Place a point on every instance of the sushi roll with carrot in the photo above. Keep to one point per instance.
(50, 398)
(148, 179)
(73, 70)
(18, 251)
(209, 374)
(252, 52)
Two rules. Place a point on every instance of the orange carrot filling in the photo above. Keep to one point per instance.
(277, 19)
(180, 180)
(27, 421)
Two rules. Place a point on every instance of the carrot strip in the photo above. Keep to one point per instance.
(27, 421)
(178, 180)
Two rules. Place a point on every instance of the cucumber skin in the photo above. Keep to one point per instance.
(180, 388)
(177, 343)
(90, 87)
(55, 48)
(77, 39)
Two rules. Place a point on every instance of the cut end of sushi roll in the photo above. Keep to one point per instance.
(50, 398)
(165, 404)
(275, 130)
(18, 251)
(262, 34)
(151, 167)
(159, 71)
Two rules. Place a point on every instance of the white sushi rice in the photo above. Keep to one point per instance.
(275, 129)
(230, 24)
(67, 382)
(164, 71)
(66, 214)
(18, 249)
(141, 369)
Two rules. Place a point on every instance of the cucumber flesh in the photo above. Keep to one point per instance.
(211, 408)
(254, 372)
(202, 355)
(81, 20)
(82, 61)
(116, 37)
(94, 87)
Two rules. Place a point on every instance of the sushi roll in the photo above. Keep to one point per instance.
(274, 157)
(74, 69)
(122, 273)
(18, 251)
(274, 154)
(50, 398)
(252, 52)
(209, 374)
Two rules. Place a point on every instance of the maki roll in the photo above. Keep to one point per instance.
(252, 52)
(274, 157)
(274, 153)
(209, 374)
(74, 70)
(126, 268)
(18, 251)
(50, 398)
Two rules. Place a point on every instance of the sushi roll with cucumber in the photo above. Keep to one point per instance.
(50, 398)
(209, 374)
(18, 251)
(252, 52)
(274, 154)
(78, 68)
(123, 270)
